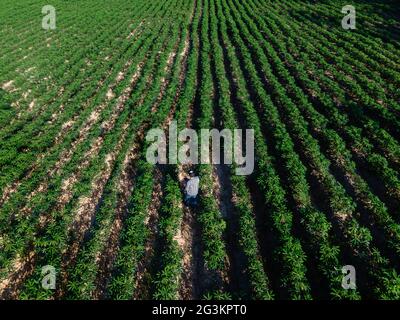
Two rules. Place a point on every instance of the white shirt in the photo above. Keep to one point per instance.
(192, 187)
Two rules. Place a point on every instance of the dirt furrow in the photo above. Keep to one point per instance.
(188, 238)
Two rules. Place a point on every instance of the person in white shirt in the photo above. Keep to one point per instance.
(192, 189)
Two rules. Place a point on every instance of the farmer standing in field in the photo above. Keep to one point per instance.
(191, 189)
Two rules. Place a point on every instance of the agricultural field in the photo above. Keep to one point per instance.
(80, 200)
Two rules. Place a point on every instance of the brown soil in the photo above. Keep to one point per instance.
(22, 267)
(8, 86)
